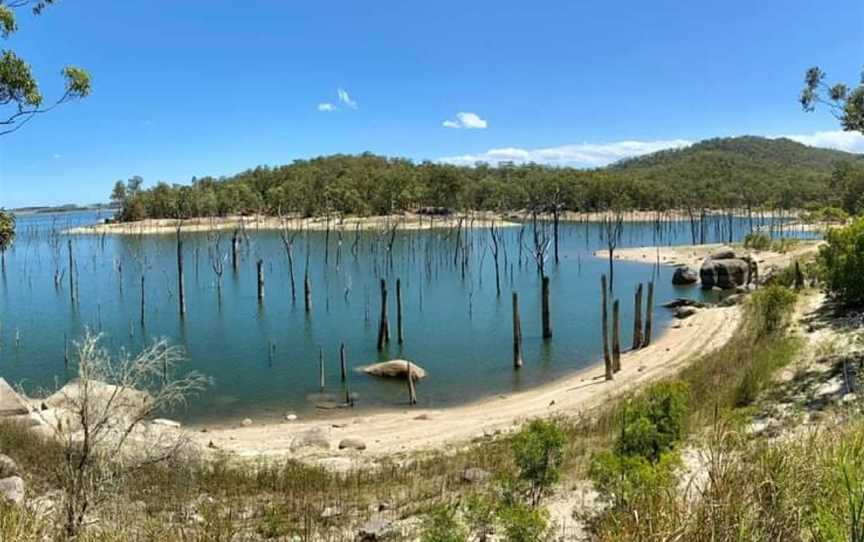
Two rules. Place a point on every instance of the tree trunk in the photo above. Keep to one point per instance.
(607, 359)
(235, 243)
(307, 292)
(517, 333)
(649, 315)
(637, 318)
(260, 267)
(71, 274)
(616, 336)
(321, 368)
(343, 362)
(547, 320)
(383, 325)
(142, 299)
(180, 282)
(400, 333)
(412, 391)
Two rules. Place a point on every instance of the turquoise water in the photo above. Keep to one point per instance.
(264, 359)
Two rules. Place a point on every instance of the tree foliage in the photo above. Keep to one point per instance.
(19, 91)
(739, 173)
(846, 104)
(7, 230)
(842, 260)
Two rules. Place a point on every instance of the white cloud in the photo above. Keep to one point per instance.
(326, 107)
(579, 155)
(468, 121)
(345, 98)
(837, 139)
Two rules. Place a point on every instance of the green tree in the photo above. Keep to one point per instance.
(846, 104)
(842, 260)
(7, 234)
(538, 450)
(19, 91)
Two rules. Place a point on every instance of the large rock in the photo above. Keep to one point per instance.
(685, 312)
(352, 443)
(8, 467)
(11, 404)
(684, 276)
(726, 271)
(375, 530)
(396, 368)
(124, 401)
(12, 489)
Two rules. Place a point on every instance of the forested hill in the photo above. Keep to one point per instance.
(760, 151)
(732, 173)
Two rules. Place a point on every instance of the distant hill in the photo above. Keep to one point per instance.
(747, 152)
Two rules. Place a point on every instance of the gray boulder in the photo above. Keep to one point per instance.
(727, 273)
(12, 489)
(375, 530)
(352, 444)
(724, 253)
(473, 475)
(685, 312)
(8, 467)
(313, 438)
(685, 276)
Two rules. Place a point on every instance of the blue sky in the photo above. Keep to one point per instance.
(183, 89)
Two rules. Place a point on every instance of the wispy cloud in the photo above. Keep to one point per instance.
(345, 99)
(837, 139)
(326, 107)
(468, 121)
(579, 155)
(56, 156)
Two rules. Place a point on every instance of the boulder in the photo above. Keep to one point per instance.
(732, 300)
(352, 444)
(473, 475)
(247, 422)
(375, 530)
(313, 438)
(166, 423)
(682, 302)
(724, 253)
(8, 467)
(126, 401)
(12, 489)
(685, 312)
(11, 404)
(396, 368)
(685, 276)
(727, 273)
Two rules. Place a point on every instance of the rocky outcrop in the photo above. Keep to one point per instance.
(725, 270)
(396, 368)
(11, 404)
(12, 489)
(685, 276)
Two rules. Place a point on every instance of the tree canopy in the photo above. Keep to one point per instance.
(734, 173)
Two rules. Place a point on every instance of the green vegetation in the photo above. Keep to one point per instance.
(846, 104)
(842, 261)
(19, 90)
(7, 230)
(763, 241)
(745, 174)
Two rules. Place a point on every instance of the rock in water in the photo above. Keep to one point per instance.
(12, 489)
(394, 369)
(727, 272)
(684, 276)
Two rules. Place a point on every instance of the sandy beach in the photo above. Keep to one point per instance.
(411, 430)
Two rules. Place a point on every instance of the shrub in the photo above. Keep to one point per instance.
(442, 525)
(771, 308)
(522, 523)
(757, 241)
(654, 422)
(842, 261)
(539, 453)
(623, 480)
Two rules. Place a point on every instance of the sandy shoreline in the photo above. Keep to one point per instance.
(412, 430)
(406, 221)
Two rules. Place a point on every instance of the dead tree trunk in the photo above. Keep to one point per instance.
(235, 245)
(637, 319)
(383, 326)
(321, 367)
(71, 274)
(616, 336)
(547, 320)
(607, 359)
(343, 362)
(260, 267)
(180, 282)
(649, 315)
(142, 299)
(412, 391)
(307, 292)
(400, 333)
(517, 333)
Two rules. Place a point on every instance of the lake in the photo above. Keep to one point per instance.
(264, 359)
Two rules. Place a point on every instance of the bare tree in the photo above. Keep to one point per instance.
(289, 235)
(100, 422)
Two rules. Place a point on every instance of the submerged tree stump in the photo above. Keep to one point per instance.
(546, 317)
(412, 390)
(517, 333)
(321, 368)
(181, 287)
(383, 325)
(637, 318)
(343, 362)
(649, 315)
(260, 266)
(616, 336)
(307, 292)
(400, 332)
(604, 312)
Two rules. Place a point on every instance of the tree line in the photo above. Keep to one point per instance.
(738, 173)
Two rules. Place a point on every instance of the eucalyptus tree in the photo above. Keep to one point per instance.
(20, 97)
(7, 234)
